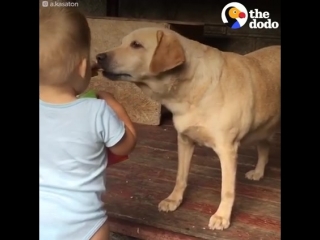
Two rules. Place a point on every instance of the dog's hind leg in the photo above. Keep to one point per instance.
(263, 158)
(185, 151)
(227, 153)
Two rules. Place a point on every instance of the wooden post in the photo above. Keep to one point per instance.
(112, 8)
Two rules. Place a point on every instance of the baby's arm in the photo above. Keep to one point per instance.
(128, 141)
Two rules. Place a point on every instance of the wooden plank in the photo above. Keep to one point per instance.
(112, 8)
(142, 231)
(219, 29)
(247, 193)
(206, 166)
(249, 153)
(205, 14)
(136, 186)
(167, 22)
(134, 198)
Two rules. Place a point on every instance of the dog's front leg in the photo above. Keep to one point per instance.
(228, 160)
(185, 151)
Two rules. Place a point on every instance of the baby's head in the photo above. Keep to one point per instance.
(64, 48)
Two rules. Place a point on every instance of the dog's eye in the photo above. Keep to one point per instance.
(135, 44)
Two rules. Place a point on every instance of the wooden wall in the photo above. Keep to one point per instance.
(205, 11)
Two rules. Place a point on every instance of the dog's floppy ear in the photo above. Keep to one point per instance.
(168, 54)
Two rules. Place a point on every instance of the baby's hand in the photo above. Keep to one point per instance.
(130, 139)
(94, 69)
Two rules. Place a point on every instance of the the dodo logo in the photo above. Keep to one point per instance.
(234, 15)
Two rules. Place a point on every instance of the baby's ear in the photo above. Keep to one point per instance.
(82, 68)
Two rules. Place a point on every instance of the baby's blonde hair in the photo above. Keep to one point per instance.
(64, 42)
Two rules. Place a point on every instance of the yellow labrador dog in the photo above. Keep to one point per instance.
(218, 99)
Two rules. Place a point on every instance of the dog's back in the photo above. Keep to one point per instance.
(250, 86)
(265, 79)
(269, 60)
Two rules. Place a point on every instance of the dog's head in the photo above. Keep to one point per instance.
(144, 53)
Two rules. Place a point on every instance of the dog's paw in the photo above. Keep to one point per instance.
(253, 175)
(218, 223)
(168, 205)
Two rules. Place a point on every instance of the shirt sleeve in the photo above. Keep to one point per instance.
(113, 128)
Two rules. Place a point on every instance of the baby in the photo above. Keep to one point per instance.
(74, 132)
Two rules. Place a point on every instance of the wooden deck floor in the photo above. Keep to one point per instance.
(136, 186)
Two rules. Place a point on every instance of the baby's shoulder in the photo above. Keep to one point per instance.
(98, 105)
(92, 102)
(87, 108)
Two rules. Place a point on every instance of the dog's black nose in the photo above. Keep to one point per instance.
(101, 56)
